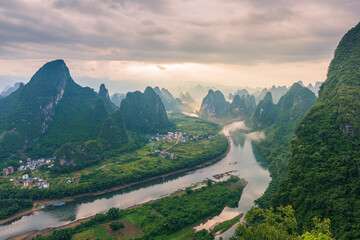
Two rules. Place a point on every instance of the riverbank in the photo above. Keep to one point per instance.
(224, 193)
(77, 197)
(47, 231)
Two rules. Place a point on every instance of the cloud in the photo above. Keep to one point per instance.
(232, 41)
(161, 67)
(256, 136)
(244, 32)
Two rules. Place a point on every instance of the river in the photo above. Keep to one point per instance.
(242, 160)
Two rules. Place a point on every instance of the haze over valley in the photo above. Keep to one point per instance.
(179, 120)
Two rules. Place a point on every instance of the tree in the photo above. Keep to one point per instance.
(321, 231)
(268, 224)
(279, 224)
(188, 190)
(115, 226)
(62, 234)
(203, 235)
(113, 213)
(209, 182)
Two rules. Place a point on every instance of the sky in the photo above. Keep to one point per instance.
(128, 44)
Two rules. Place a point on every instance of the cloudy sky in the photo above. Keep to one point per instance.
(228, 42)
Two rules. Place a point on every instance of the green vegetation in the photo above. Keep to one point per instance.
(53, 112)
(279, 224)
(243, 106)
(53, 115)
(276, 147)
(115, 226)
(11, 206)
(265, 113)
(145, 112)
(224, 226)
(130, 167)
(163, 217)
(195, 126)
(215, 106)
(323, 178)
(103, 94)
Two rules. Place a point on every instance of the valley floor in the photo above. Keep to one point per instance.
(153, 218)
(38, 204)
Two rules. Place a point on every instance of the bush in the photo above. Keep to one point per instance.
(113, 213)
(188, 190)
(115, 226)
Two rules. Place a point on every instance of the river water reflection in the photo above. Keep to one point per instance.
(241, 159)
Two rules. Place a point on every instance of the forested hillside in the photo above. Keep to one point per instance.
(324, 169)
(214, 105)
(280, 121)
(104, 95)
(145, 112)
(53, 115)
(47, 112)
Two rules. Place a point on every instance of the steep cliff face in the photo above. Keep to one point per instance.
(171, 104)
(33, 106)
(48, 112)
(187, 98)
(214, 105)
(315, 89)
(144, 112)
(324, 178)
(265, 113)
(117, 98)
(243, 106)
(240, 93)
(9, 90)
(103, 94)
(290, 109)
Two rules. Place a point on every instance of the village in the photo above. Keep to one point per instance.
(178, 136)
(26, 180)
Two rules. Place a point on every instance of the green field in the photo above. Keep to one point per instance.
(204, 143)
(168, 218)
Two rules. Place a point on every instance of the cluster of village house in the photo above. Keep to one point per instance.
(165, 154)
(182, 137)
(8, 170)
(36, 163)
(169, 136)
(26, 180)
(41, 183)
(30, 164)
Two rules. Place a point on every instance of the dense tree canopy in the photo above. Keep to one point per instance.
(324, 177)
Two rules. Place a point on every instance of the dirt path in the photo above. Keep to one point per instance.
(178, 139)
(73, 198)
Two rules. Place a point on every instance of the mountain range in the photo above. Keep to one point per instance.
(214, 105)
(117, 98)
(52, 113)
(8, 90)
